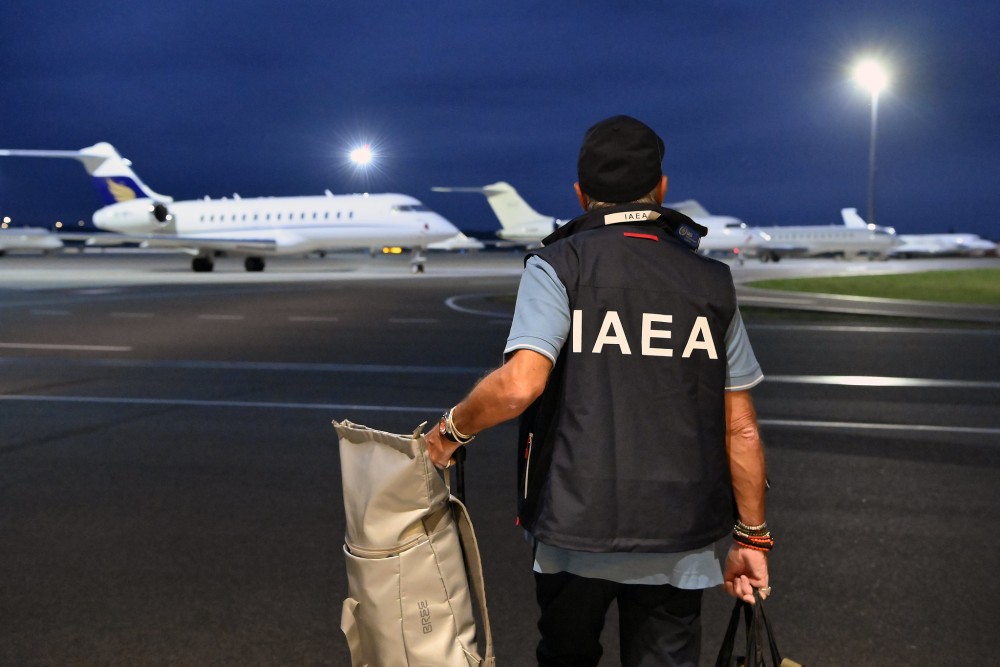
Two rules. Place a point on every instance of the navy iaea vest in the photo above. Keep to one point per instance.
(625, 449)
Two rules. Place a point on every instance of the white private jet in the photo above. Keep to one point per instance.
(726, 234)
(18, 239)
(848, 241)
(252, 227)
(520, 224)
(928, 245)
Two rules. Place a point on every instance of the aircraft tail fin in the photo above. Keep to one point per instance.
(515, 215)
(111, 174)
(852, 219)
(689, 207)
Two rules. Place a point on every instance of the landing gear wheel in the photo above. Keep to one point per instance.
(254, 263)
(202, 264)
(417, 261)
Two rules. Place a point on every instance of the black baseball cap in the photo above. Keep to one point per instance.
(619, 160)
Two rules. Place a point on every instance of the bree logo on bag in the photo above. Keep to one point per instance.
(425, 617)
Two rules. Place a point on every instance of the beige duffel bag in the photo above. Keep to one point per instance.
(407, 546)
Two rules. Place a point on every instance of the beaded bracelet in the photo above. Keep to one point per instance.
(759, 542)
(761, 529)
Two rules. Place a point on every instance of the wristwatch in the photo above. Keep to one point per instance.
(446, 427)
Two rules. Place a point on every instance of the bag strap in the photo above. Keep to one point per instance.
(474, 568)
(773, 645)
(725, 657)
(757, 627)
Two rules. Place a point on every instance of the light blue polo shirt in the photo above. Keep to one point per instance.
(541, 323)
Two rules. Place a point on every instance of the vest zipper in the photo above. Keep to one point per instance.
(527, 462)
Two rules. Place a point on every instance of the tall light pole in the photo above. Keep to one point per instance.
(872, 76)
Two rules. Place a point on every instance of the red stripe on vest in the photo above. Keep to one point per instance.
(642, 236)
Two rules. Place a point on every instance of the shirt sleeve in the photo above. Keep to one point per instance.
(541, 313)
(743, 371)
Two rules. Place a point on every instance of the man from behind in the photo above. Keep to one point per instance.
(639, 459)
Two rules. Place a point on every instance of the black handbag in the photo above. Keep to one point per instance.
(758, 628)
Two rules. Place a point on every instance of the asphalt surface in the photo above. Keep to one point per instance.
(170, 491)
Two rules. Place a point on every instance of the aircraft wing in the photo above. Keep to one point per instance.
(222, 243)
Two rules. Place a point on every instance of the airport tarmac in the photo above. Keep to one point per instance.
(169, 484)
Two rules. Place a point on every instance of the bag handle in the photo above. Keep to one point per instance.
(765, 626)
(474, 568)
(757, 626)
(725, 657)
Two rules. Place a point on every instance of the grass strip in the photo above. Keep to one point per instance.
(973, 286)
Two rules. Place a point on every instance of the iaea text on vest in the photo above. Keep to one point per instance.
(612, 333)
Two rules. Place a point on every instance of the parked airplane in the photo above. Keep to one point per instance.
(927, 245)
(28, 238)
(726, 234)
(522, 225)
(252, 227)
(848, 241)
(519, 223)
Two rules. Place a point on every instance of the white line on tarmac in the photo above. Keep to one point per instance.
(880, 381)
(452, 302)
(111, 400)
(879, 427)
(77, 348)
(268, 366)
(871, 329)
(424, 409)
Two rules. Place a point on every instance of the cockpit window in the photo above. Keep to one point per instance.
(409, 208)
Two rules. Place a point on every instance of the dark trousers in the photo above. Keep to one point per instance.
(658, 625)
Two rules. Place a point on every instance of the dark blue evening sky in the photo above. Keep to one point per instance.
(753, 99)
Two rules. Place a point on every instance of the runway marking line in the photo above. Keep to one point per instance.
(111, 400)
(76, 348)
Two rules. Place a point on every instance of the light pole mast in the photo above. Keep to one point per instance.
(871, 159)
(872, 76)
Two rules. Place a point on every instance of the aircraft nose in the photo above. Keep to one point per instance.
(438, 224)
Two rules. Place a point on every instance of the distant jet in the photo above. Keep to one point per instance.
(726, 234)
(928, 245)
(849, 240)
(28, 238)
(522, 225)
(519, 223)
(252, 227)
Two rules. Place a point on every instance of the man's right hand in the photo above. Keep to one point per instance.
(745, 570)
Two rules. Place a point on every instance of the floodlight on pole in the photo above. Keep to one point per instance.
(362, 155)
(872, 76)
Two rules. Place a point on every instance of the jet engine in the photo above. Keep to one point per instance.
(138, 216)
